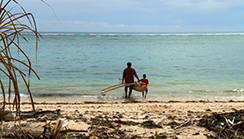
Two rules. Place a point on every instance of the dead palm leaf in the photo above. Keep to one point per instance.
(11, 30)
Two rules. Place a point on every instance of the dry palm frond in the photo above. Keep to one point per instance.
(61, 123)
(11, 30)
(2, 110)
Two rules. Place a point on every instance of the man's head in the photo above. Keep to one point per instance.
(129, 64)
(144, 75)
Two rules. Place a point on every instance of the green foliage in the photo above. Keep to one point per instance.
(156, 135)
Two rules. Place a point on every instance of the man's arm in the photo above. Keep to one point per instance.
(138, 79)
(123, 77)
(136, 75)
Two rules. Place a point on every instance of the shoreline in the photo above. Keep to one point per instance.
(137, 100)
(131, 101)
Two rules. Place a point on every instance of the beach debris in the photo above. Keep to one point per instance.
(12, 116)
(225, 125)
(184, 124)
(150, 124)
(88, 123)
(61, 123)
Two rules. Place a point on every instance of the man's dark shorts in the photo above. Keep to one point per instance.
(130, 86)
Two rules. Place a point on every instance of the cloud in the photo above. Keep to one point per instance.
(202, 5)
(79, 26)
(136, 15)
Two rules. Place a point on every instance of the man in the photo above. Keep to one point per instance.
(128, 76)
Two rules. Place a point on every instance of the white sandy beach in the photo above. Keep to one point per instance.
(131, 119)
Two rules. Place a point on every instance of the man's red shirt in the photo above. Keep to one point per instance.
(129, 74)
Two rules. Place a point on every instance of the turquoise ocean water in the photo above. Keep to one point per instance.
(178, 65)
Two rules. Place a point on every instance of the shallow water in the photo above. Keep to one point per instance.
(178, 65)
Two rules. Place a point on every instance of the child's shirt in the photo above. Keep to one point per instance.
(145, 81)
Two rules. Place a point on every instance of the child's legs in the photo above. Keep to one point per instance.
(146, 93)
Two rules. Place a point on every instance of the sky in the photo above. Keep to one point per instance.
(137, 15)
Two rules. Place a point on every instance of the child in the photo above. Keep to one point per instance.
(146, 82)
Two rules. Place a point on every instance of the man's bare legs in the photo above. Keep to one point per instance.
(126, 88)
(130, 91)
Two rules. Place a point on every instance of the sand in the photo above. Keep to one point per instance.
(128, 119)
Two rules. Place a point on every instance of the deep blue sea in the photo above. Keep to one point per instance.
(179, 66)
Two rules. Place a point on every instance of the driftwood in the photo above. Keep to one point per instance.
(181, 125)
(49, 131)
(11, 116)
